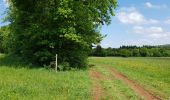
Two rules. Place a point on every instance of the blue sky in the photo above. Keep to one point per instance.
(139, 22)
(3, 7)
(136, 22)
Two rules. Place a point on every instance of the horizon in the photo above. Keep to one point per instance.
(134, 45)
(142, 22)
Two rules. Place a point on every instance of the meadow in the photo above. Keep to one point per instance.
(151, 73)
(20, 81)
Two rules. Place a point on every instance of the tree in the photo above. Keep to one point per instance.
(4, 35)
(125, 53)
(109, 51)
(99, 51)
(156, 52)
(166, 53)
(128, 51)
(42, 28)
(144, 52)
(135, 52)
(1, 39)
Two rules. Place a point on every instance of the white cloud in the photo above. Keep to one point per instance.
(141, 30)
(146, 41)
(167, 21)
(139, 42)
(156, 35)
(132, 16)
(153, 21)
(152, 32)
(150, 5)
(138, 29)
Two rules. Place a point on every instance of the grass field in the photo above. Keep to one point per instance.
(19, 81)
(151, 73)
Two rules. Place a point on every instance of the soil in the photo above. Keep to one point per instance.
(98, 92)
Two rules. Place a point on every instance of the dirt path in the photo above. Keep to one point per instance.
(97, 90)
(136, 87)
(99, 93)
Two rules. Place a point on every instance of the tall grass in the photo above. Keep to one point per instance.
(20, 82)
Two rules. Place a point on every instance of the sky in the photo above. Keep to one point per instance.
(3, 7)
(136, 22)
(139, 22)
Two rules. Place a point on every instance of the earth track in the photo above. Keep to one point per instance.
(99, 93)
(97, 90)
(145, 94)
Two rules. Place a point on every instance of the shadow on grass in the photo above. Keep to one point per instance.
(14, 61)
(17, 62)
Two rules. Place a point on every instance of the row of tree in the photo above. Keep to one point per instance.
(132, 51)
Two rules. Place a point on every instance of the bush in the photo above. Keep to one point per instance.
(125, 53)
(144, 52)
(64, 66)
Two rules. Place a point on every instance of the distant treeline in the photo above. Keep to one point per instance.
(133, 51)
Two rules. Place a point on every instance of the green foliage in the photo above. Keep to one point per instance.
(99, 51)
(144, 52)
(136, 53)
(4, 35)
(166, 53)
(64, 66)
(42, 28)
(133, 51)
(156, 52)
(1, 39)
(125, 53)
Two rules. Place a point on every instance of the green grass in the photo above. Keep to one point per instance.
(114, 88)
(152, 73)
(20, 82)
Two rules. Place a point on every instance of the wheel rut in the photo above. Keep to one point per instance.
(145, 94)
(97, 90)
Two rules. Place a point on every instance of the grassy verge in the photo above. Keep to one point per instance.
(152, 73)
(19, 82)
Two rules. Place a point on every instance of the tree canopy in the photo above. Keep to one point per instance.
(40, 29)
